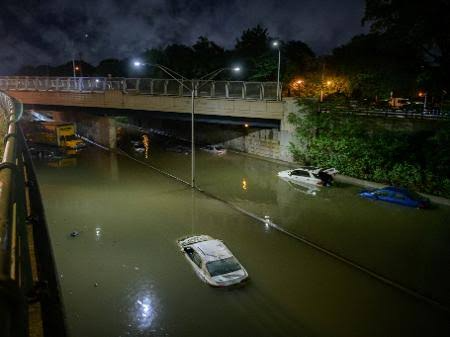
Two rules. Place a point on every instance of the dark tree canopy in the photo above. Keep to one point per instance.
(424, 24)
(378, 64)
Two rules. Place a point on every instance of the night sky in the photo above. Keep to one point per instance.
(50, 31)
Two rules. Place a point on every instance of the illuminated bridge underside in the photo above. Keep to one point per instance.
(118, 100)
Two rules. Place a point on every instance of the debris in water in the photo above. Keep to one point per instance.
(74, 234)
(95, 284)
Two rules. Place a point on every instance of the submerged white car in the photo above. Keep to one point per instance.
(212, 261)
(309, 175)
(215, 149)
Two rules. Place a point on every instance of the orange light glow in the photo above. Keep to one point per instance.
(244, 184)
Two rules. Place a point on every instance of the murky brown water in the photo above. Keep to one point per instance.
(125, 276)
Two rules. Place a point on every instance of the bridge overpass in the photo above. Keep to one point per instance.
(215, 98)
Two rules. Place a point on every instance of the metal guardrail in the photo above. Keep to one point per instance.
(21, 206)
(426, 114)
(145, 86)
(15, 270)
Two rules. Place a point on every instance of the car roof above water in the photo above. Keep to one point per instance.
(212, 250)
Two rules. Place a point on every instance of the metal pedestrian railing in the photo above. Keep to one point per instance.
(145, 86)
(20, 209)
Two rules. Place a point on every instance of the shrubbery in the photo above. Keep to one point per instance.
(420, 161)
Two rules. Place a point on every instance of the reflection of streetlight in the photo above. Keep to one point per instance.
(193, 90)
(329, 83)
(276, 44)
(146, 143)
(244, 184)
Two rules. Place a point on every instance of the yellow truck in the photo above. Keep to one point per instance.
(56, 134)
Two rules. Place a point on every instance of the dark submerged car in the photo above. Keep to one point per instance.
(397, 195)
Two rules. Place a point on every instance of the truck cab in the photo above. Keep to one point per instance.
(66, 136)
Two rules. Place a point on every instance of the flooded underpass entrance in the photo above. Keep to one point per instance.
(124, 274)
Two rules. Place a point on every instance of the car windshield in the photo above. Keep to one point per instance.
(221, 267)
(71, 137)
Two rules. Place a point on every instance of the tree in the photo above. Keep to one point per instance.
(208, 56)
(253, 43)
(113, 67)
(377, 64)
(253, 51)
(298, 59)
(422, 24)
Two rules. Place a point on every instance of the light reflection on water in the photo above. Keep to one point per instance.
(143, 306)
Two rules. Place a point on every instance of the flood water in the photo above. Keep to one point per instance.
(124, 275)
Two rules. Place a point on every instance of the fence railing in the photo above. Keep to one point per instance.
(145, 86)
(21, 208)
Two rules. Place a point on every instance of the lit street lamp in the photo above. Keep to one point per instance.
(276, 44)
(193, 90)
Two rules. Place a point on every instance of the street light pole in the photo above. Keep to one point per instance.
(193, 91)
(192, 137)
(277, 45)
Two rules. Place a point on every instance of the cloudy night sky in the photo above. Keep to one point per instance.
(51, 31)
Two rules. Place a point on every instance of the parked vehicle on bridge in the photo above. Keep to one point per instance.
(397, 195)
(309, 175)
(55, 133)
(399, 103)
(212, 261)
(214, 149)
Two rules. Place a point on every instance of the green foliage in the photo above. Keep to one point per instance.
(420, 162)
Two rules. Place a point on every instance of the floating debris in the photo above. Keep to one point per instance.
(96, 284)
(74, 234)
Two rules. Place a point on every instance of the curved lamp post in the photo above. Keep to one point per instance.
(180, 78)
(276, 44)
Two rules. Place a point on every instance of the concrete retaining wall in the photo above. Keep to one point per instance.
(270, 143)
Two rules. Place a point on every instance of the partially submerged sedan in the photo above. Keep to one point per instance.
(396, 195)
(212, 261)
(309, 175)
(214, 149)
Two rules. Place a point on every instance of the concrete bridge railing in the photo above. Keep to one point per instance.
(146, 86)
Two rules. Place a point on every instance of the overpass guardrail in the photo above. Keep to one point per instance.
(146, 86)
(22, 218)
